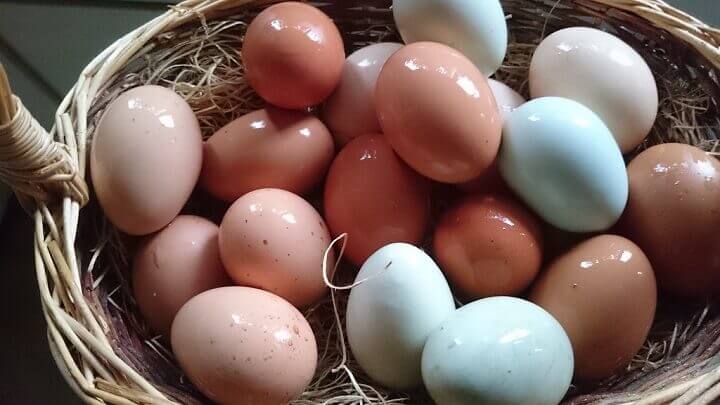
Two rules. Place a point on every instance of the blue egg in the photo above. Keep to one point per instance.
(564, 162)
(499, 350)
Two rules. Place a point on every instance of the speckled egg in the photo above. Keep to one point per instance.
(274, 240)
(241, 345)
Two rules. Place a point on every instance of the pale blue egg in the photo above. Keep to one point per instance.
(560, 158)
(499, 350)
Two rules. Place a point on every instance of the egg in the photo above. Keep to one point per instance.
(400, 298)
(175, 265)
(602, 72)
(563, 161)
(603, 294)
(274, 240)
(241, 345)
(293, 55)
(350, 111)
(673, 214)
(438, 112)
(499, 350)
(506, 98)
(488, 245)
(371, 195)
(145, 158)
(267, 148)
(477, 29)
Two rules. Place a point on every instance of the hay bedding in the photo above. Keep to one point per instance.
(202, 62)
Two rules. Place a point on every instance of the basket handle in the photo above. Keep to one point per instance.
(38, 168)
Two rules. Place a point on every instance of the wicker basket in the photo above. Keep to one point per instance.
(105, 351)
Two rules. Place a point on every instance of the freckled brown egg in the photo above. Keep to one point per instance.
(145, 159)
(241, 346)
(488, 245)
(267, 148)
(274, 240)
(438, 112)
(293, 55)
(173, 266)
(673, 214)
(375, 198)
(603, 293)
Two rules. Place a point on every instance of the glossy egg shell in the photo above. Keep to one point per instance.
(145, 159)
(375, 198)
(499, 350)
(475, 28)
(600, 71)
(274, 240)
(488, 245)
(603, 293)
(564, 163)
(506, 98)
(438, 112)
(268, 148)
(240, 346)
(293, 55)
(174, 265)
(673, 214)
(350, 111)
(401, 297)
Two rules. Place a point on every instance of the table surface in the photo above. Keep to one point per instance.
(28, 375)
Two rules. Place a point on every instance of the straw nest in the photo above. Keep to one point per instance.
(103, 346)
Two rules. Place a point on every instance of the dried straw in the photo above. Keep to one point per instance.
(106, 351)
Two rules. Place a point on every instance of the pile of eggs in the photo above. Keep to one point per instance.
(405, 119)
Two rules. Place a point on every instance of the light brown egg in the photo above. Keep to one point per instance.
(242, 346)
(488, 245)
(673, 214)
(603, 294)
(438, 112)
(145, 159)
(268, 148)
(175, 265)
(375, 198)
(293, 55)
(274, 240)
(350, 111)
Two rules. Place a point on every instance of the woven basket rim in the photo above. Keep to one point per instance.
(73, 326)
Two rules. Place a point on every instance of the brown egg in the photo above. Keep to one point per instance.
(673, 214)
(438, 112)
(145, 159)
(488, 182)
(274, 240)
(242, 346)
(603, 294)
(175, 265)
(350, 111)
(375, 198)
(293, 55)
(268, 148)
(488, 245)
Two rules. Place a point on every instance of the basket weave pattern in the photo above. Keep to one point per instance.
(105, 363)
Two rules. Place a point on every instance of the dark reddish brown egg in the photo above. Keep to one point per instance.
(438, 112)
(375, 198)
(268, 148)
(673, 214)
(603, 293)
(293, 55)
(488, 245)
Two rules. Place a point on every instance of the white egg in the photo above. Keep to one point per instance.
(475, 28)
(498, 350)
(603, 73)
(506, 98)
(562, 160)
(390, 315)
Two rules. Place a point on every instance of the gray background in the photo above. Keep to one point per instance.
(44, 45)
